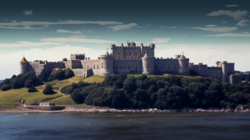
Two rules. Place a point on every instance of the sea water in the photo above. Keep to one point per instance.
(121, 126)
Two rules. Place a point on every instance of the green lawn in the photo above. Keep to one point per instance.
(64, 100)
(11, 97)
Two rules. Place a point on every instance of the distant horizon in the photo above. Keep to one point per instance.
(206, 31)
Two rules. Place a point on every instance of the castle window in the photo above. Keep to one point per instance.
(87, 66)
(107, 65)
(97, 66)
(94, 66)
(102, 65)
(130, 54)
(135, 54)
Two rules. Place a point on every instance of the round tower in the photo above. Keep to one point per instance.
(23, 66)
(147, 64)
(224, 71)
(106, 66)
(184, 65)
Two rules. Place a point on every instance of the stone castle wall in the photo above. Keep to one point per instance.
(130, 60)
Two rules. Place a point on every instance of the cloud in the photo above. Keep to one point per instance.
(66, 31)
(243, 23)
(122, 27)
(13, 25)
(27, 12)
(160, 40)
(148, 25)
(90, 31)
(224, 21)
(214, 28)
(22, 27)
(76, 40)
(232, 5)
(244, 34)
(168, 27)
(236, 15)
(10, 67)
(28, 44)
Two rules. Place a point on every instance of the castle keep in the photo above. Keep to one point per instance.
(130, 59)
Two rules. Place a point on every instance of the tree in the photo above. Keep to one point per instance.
(68, 73)
(5, 87)
(48, 90)
(77, 97)
(28, 84)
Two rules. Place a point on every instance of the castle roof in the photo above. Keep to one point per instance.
(23, 60)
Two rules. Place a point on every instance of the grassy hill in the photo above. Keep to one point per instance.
(11, 97)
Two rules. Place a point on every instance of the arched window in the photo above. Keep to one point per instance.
(97, 66)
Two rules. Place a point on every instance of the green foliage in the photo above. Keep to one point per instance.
(48, 90)
(68, 73)
(5, 87)
(32, 89)
(120, 91)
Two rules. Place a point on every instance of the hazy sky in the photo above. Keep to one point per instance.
(206, 31)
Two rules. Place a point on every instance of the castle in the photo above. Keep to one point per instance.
(130, 59)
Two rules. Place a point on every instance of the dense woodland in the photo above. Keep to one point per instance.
(176, 92)
(30, 80)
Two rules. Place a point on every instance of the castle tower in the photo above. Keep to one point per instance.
(147, 64)
(23, 66)
(106, 64)
(224, 71)
(184, 65)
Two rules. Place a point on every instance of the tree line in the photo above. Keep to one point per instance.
(176, 92)
(30, 80)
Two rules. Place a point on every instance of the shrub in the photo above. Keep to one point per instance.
(32, 89)
(28, 84)
(77, 97)
(5, 87)
(48, 90)
(68, 73)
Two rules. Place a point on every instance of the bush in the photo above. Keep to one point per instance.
(48, 90)
(32, 89)
(68, 73)
(28, 84)
(5, 87)
(77, 97)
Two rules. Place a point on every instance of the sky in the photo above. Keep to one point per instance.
(206, 31)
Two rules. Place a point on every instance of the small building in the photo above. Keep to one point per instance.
(46, 104)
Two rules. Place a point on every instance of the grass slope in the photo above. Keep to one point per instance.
(11, 97)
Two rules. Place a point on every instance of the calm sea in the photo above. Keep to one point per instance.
(116, 126)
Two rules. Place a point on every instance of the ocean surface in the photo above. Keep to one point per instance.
(125, 126)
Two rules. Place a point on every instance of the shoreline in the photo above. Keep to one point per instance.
(97, 109)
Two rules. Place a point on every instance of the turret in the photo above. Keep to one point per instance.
(224, 71)
(23, 66)
(106, 64)
(147, 64)
(184, 65)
